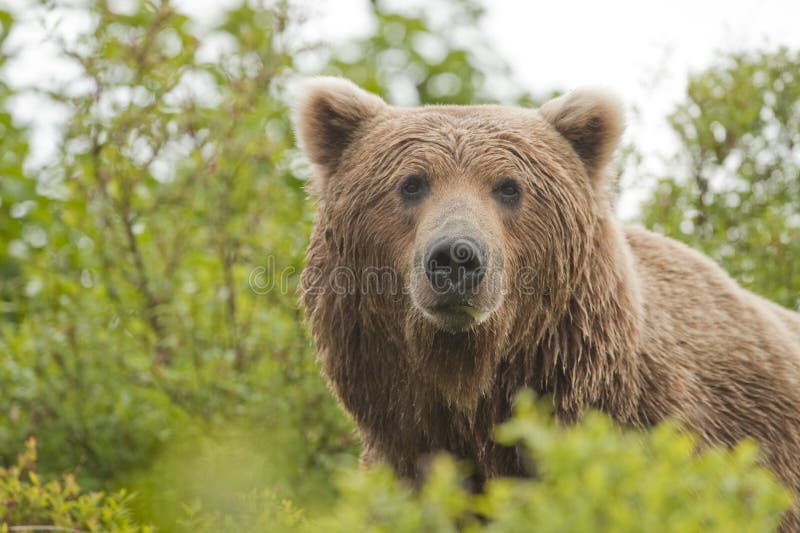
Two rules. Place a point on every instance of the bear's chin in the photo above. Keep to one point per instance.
(458, 364)
(456, 318)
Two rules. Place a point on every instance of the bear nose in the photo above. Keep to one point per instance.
(455, 264)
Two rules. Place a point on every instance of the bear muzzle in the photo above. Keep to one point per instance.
(454, 292)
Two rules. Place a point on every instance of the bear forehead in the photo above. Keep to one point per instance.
(483, 134)
(478, 119)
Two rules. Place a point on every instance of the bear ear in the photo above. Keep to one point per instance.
(592, 120)
(327, 115)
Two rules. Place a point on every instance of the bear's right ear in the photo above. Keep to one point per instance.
(592, 120)
(327, 115)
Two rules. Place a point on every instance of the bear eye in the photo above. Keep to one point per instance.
(507, 191)
(414, 187)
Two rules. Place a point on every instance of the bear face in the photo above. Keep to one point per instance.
(467, 225)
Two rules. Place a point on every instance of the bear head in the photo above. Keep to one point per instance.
(449, 237)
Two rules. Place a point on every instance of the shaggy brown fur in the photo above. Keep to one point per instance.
(575, 305)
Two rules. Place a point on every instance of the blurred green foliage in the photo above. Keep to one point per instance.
(414, 58)
(591, 477)
(58, 504)
(21, 210)
(630, 481)
(149, 324)
(137, 329)
(735, 190)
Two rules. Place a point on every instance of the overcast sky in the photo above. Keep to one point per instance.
(642, 50)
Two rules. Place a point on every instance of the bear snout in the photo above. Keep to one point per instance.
(456, 283)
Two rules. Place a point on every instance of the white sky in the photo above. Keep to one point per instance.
(642, 50)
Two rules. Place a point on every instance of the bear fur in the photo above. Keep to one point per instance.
(610, 317)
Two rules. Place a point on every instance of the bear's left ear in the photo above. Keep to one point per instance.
(592, 120)
(327, 116)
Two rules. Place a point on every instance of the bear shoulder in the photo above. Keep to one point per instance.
(685, 291)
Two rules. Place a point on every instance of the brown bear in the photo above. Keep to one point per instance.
(461, 253)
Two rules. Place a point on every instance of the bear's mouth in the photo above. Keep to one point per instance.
(456, 318)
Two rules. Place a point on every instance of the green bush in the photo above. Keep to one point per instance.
(257, 511)
(734, 193)
(591, 477)
(28, 503)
